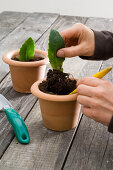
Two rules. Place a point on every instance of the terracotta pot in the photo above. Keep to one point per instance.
(24, 74)
(59, 112)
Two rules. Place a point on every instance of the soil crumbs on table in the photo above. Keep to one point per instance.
(58, 83)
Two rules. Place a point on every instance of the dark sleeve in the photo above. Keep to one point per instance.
(103, 46)
(110, 127)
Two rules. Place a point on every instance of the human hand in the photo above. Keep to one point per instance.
(96, 96)
(79, 41)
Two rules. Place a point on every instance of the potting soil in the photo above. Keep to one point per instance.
(58, 83)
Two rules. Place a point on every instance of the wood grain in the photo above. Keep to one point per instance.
(47, 149)
(87, 147)
(9, 21)
(92, 146)
(34, 25)
(106, 162)
(43, 151)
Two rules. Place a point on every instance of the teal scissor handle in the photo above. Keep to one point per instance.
(18, 125)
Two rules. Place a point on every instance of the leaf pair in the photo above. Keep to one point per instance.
(56, 42)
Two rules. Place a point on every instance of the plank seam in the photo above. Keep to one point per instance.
(14, 134)
(4, 77)
(91, 144)
(72, 140)
(104, 152)
(47, 29)
(35, 41)
(14, 28)
(71, 143)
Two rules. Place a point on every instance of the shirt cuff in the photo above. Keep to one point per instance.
(103, 46)
(110, 127)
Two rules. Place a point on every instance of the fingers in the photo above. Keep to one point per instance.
(86, 90)
(79, 41)
(70, 51)
(73, 31)
(70, 35)
(87, 101)
(94, 97)
(94, 102)
(102, 116)
(87, 111)
(90, 81)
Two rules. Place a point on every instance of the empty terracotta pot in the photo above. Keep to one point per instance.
(24, 74)
(59, 112)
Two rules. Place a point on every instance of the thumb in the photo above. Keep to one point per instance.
(70, 51)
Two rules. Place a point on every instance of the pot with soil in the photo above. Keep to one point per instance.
(60, 111)
(26, 66)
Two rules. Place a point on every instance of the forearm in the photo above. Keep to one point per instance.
(103, 46)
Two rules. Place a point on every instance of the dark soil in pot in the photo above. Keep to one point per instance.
(58, 83)
(34, 59)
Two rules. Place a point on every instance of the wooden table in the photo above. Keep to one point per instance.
(89, 146)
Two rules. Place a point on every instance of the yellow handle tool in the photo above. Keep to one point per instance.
(99, 75)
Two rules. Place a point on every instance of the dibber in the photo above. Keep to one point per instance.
(99, 75)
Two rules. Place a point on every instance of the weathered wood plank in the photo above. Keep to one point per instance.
(49, 145)
(44, 147)
(106, 161)
(100, 24)
(36, 22)
(92, 145)
(9, 21)
(33, 26)
(49, 149)
(22, 104)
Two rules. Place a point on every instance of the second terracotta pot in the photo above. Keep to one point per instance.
(59, 112)
(24, 74)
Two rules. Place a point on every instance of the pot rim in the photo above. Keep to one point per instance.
(50, 97)
(7, 59)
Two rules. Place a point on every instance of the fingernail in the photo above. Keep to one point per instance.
(60, 53)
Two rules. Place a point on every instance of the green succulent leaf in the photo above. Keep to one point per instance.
(56, 42)
(27, 50)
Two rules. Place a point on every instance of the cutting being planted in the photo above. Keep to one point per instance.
(60, 111)
(56, 42)
(57, 81)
